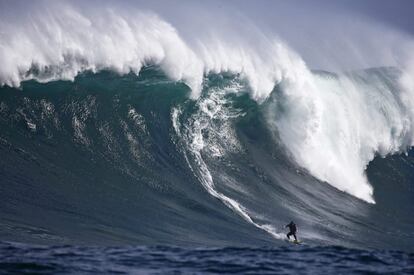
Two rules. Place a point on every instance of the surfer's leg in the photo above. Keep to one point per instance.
(294, 235)
(288, 235)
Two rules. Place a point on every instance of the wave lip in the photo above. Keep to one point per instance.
(78, 42)
(335, 125)
(65, 41)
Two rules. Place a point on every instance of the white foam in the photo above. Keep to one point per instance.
(335, 126)
(61, 40)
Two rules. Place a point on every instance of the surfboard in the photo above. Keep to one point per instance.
(294, 241)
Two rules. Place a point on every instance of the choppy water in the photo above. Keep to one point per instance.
(295, 259)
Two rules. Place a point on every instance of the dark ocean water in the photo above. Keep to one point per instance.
(126, 174)
(295, 259)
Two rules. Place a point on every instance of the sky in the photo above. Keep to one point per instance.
(398, 13)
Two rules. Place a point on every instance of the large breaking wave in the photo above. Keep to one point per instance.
(242, 117)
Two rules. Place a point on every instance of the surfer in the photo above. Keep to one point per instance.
(292, 230)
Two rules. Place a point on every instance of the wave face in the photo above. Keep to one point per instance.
(115, 159)
(216, 141)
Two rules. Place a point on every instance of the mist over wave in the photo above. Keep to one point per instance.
(328, 124)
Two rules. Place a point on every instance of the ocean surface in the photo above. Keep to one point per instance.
(169, 156)
(24, 259)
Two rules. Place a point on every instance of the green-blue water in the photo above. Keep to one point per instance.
(114, 161)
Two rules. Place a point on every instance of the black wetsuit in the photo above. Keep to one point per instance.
(292, 230)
